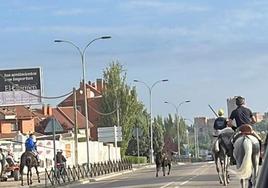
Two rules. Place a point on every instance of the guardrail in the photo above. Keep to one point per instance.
(66, 175)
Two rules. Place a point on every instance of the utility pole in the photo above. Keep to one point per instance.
(117, 115)
(75, 128)
(138, 143)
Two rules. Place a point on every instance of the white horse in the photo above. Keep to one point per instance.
(246, 153)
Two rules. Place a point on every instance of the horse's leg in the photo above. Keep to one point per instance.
(169, 167)
(157, 169)
(31, 181)
(227, 172)
(37, 173)
(21, 173)
(217, 167)
(222, 171)
(164, 169)
(28, 173)
(243, 183)
(255, 164)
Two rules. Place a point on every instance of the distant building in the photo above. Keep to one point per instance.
(201, 124)
(231, 105)
(210, 125)
(258, 116)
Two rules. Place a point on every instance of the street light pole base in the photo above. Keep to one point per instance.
(151, 156)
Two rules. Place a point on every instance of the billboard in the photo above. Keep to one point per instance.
(20, 86)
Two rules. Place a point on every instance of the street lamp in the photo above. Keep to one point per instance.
(82, 55)
(178, 121)
(151, 114)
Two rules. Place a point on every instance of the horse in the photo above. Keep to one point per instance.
(221, 154)
(162, 159)
(29, 159)
(246, 153)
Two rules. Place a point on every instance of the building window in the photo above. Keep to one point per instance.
(14, 127)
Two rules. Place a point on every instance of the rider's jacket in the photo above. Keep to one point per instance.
(60, 158)
(30, 145)
(220, 123)
(242, 115)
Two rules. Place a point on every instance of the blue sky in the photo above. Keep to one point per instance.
(209, 50)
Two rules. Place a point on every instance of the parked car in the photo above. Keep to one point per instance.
(209, 157)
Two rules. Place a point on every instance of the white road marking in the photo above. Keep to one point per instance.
(167, 185)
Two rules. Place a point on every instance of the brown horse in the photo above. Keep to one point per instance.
(28, 159)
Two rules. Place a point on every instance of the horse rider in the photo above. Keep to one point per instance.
(242, 116)
(60, 157)
(219, 124)
(31, 146)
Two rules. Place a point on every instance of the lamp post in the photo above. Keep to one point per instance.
(178, 121)
(150, 88)
(82, 55)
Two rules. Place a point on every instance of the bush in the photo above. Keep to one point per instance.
(134, 159)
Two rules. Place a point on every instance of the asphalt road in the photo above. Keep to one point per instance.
(201, 175)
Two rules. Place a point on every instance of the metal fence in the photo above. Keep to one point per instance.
(66, 175)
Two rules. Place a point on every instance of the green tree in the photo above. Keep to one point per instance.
(170, 128)
(158, 134)
(118, 92)
(144, 141)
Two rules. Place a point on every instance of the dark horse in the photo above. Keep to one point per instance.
(28, 159)
(162, 159)
(221, 154)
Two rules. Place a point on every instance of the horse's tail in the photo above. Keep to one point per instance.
(245, 169)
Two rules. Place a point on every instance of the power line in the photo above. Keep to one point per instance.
(39, 96)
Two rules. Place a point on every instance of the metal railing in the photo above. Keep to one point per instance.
(66, 175)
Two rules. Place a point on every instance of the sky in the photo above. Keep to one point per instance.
(208, 50)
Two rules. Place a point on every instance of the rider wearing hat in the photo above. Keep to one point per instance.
(60, 159)
(219, 124)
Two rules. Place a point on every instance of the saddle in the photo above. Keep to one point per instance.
(246, 129)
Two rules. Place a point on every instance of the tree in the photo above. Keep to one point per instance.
(142, 124)
(118, 92)
(158, 134)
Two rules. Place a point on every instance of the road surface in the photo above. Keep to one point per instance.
(193, 175)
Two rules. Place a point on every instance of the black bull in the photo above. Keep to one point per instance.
(162, 160)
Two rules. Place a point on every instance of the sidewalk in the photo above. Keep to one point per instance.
(14, 184)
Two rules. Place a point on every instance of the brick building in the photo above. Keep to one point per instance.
(16, 119)
(94, 96)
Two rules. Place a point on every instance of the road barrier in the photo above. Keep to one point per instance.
(66, 175)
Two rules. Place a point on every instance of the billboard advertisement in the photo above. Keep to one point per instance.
(20, 86)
